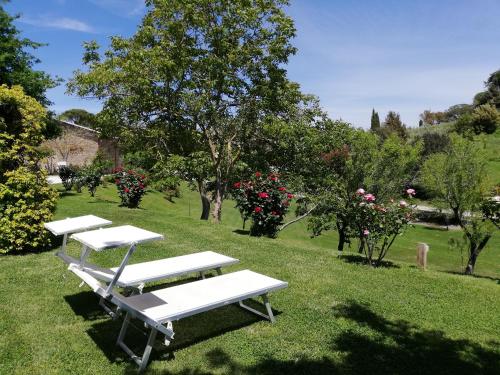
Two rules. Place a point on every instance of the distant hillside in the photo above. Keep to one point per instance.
(490, 141)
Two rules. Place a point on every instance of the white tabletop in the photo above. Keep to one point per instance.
(108, 238)
(76, 224)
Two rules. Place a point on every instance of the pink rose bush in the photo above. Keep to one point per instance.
(131, 187)
(264, 200)
(379, 223)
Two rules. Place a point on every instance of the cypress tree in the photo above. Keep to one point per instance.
(375, 121)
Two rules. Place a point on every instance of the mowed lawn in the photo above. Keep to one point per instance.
(338, 316)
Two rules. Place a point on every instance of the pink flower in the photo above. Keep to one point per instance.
(360, 191)
(258, 174)
(282, 188)
(366, 232)
(290, 196)
(369, 197)
(257, 209)
(237, 185)
(263, 195)
(410, 192)
(275, 213)
(403, 204)
(273, 178)
(126, 190)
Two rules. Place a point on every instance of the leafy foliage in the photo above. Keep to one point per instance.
(67, 175)
(80, 117)
(213, 68)
(26, 201)
(378, 224)
(375, 121)
(131, 187)
(484, 119)
(384, 170)
(16, 64)
(393, 125)
(264, 200)
(458, 178)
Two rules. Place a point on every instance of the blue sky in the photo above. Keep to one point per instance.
(402, 55)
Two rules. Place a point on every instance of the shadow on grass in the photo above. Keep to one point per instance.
(359, 259)
(243, 232)
(374, 345)
(435, 228)
(86, 305)
(66, 193)
(188, 332)
(55, 243)
(495, 279)
(400, 347)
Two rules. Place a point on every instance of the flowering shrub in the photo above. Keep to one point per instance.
(264, 200)
(378, 224)
(131, 187)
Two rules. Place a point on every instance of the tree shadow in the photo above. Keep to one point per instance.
(400, 347)
(495, 279)
(359, 259)
(374, 345)
(66, 193)
(242, 232)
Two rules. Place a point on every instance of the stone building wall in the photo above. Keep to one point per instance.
(77, 146)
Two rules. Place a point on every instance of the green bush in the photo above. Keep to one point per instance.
(26, 203)
(67, 174)
(26, 200)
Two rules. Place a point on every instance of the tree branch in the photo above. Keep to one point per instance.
(298, 218)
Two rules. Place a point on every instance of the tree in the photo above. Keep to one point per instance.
(483, 119)
(216, 67)
(26, 200)
(358, 161)
(375, 121)
(393, 125)
(80, 117)
(16, 64)
(493, 86)
(458, 178)
(457, 110)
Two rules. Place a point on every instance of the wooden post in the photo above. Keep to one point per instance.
(422, 250)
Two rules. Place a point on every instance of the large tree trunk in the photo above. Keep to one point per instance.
(205, 201)
(220, 186)
(474, 252)
(342, 237)
(469, 270)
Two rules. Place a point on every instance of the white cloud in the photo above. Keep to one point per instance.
(58, 23)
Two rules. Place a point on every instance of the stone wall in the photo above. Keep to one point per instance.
(77, 146)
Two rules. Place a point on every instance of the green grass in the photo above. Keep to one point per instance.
(337, 316)
(492, 147)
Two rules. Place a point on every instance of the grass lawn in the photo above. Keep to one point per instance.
(338, 316)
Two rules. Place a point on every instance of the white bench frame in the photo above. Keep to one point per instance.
(165, 326)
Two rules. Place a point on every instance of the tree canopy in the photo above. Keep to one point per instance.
(16, 63)
(80, 117)
(214, 67)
